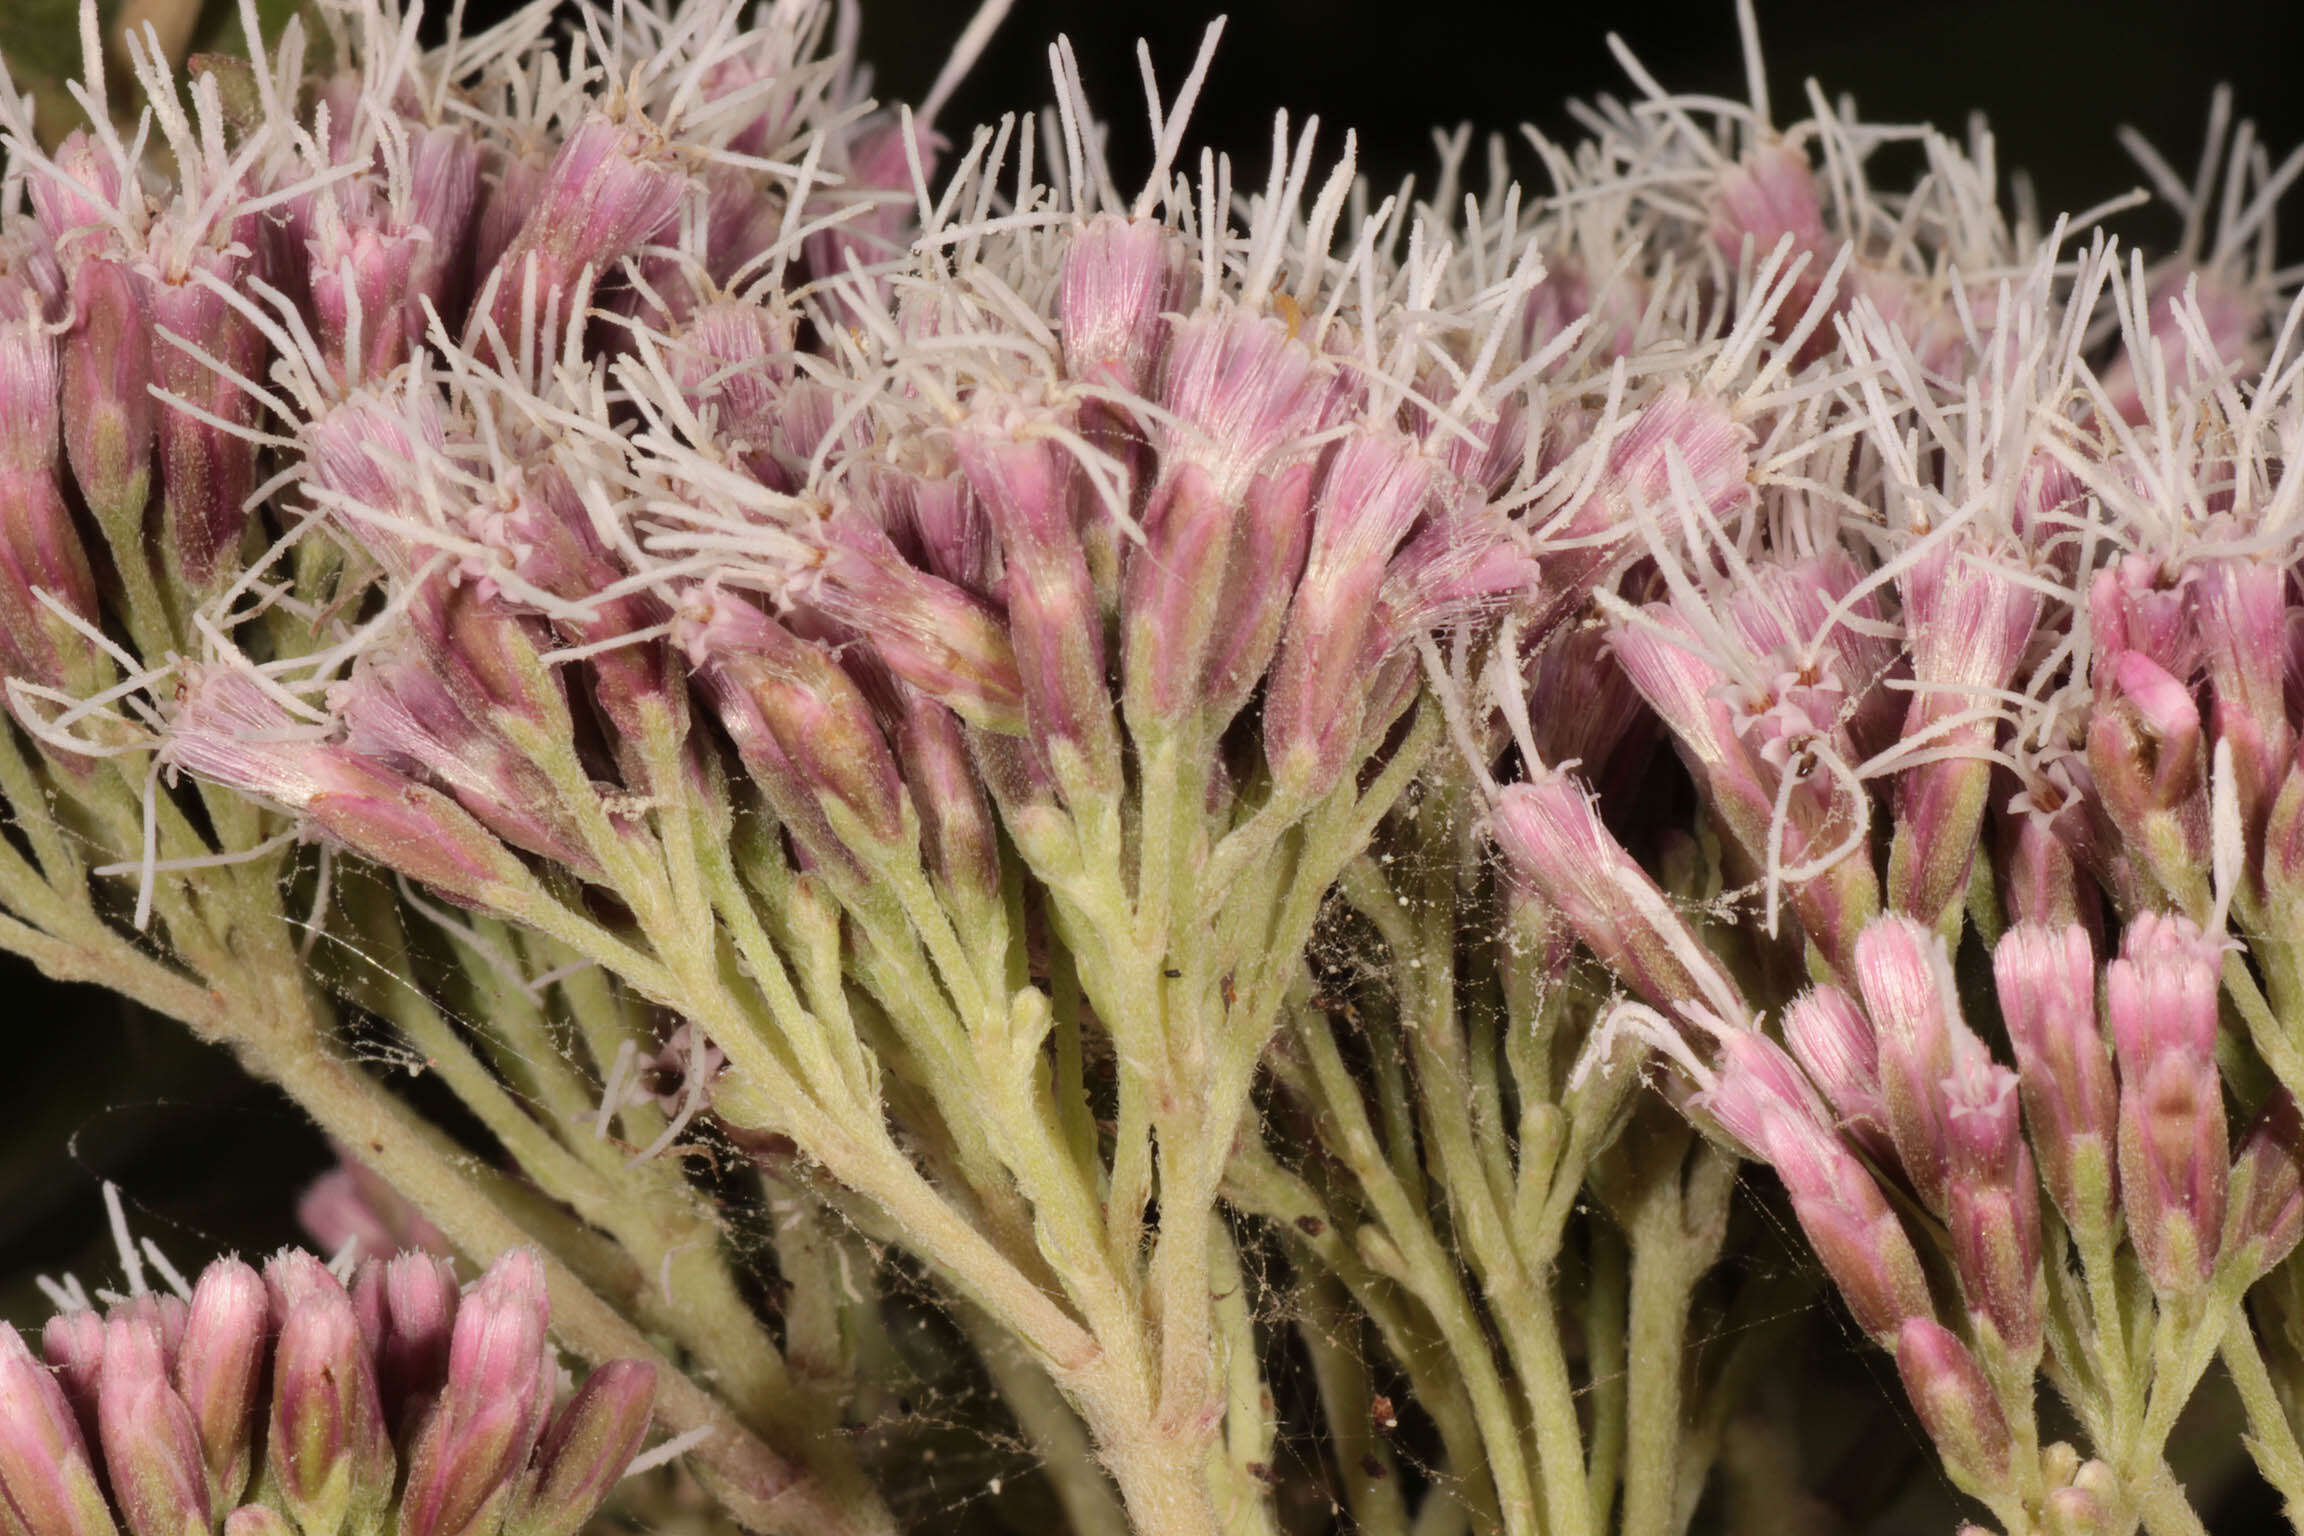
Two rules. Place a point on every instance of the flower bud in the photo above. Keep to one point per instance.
(1552, 839)
(799, 721)
(46, 1477)
(206, 470)
(610, 188)
(586, 1450)
(2161, 997)
(1906, 979)
(229, 731)
(2151, 770)
(1967, 619)
(73, 1343)
(401, 710)
(1376, 487)
(1028, 487)
(360, 266)
(2243, 614)
(1763, 1102)
(2267, 1209)
(2046, 979)
(1121, 278)
(407, 1310)
(219, 1368)
(1955, 1402)
(1994, 1202)
(469, 1453)
(957, 829)
(1834, 1044)
(151, 1444)
(944, 641)
(2141, 603)
(76, 205)
(327, 1452)
(108, 405)
(257, 1520)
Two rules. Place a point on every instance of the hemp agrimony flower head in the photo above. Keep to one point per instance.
(991, 785)
(284, 1400)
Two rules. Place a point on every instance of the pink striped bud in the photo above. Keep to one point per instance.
(47, 1479)
(1967, 621)
(1955, 1402)
(610, 188)
(1583, 708)
(1552, 839)
(399, 711)
(206, 471)
(957, 829)
(2267, 1208)
(945, 641)
(229, 731)
(360, 265)
(407, 1310)
(219, 1369)
(73, 1344)
(1762, 1101)
(257, 1520)
(2046, 979)
(2043, 828)
(1906, 980)
(2161, 998)
(1769, 194)
(1376, 487)
(108, 406)
(152, 1448)
(1994, 1214)
(76, 206)
(2244, 614)
(586, 1450)
(443, 195)
(799, 721)
(349, 1203)
(1834, 1044)
(1029, 486)
(2231, 321)
(467, 1457)
(1121, 277)
(2143, 603)
(327, 1452)
(2151, 770)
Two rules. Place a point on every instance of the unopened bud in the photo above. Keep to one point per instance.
(219, 1369)
(1906, 979)
(1955, 1402)
(2047, 987)
(1763, 1102)
(151, 1444)
(586, 1450)
(467, 1457)
(1835, 1046)
(328, 1452)
(1550, 833)
(2161, 997)
(2151, 769)
(2267, 1211)
(46, 1475)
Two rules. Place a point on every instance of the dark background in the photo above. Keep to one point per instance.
(209, 1160)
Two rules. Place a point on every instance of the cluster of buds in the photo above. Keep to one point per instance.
(264, 1402)
(946, 661)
